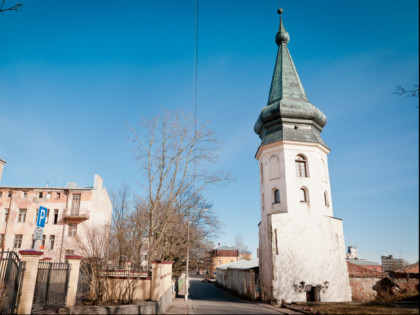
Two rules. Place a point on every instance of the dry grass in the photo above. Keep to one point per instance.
(361, 308)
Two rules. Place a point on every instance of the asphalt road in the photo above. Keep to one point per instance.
(207, 298)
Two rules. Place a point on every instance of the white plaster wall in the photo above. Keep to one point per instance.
(310, 249)
(309, 242)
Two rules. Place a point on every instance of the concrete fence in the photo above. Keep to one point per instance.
(151, 295)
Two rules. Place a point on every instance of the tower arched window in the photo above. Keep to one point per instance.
(301, 166)
(276, 196)
(326, 199)
(303, 194)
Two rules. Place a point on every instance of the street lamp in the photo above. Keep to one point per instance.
(187, 278)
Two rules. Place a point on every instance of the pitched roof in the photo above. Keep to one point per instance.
(362, 262)
(413, 268)
(359, 271)
(240, 264)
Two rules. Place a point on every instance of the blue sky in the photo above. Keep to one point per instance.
(73, 74)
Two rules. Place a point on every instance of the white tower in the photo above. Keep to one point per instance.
(301, 243)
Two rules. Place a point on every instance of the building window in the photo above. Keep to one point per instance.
(40, 195)
(326, 200)
(22, 215)
(1, 240)
(57, 195)
(75, 205)
(49, 195)
(6, 215)
(52, 241)
(301, 166)
(220, 262)
(25, 194)
(9, 194)
(1, 194)
(55, 216)
(276, 196)
(17, 242)
(43, 241)
(303, 194)
(72, 230)
(47, 216)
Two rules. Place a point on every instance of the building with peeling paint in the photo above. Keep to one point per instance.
(73, 212)
(301, 243)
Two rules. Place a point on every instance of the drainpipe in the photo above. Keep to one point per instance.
(7, 220)
(67, 192)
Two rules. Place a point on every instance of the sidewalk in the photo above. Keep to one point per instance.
(179, 305)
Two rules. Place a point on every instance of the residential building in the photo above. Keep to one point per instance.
(300, 240)
(222, 255)
(72, 212)
(389, 263)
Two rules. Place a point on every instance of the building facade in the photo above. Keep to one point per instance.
(352, 253)
(72, 212)
(389, 263)
(301, 243)
(222, 255)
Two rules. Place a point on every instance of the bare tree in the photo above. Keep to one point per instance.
(240, 243)
(122, 208)
(175, 159)
(4, 7)
(400, 91)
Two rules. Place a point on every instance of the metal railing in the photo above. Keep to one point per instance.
(51, 285)
(11, 272)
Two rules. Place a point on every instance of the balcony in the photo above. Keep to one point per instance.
(74, 215)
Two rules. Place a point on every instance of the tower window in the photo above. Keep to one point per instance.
(276, 196)
(327, 203)
(301, 166)
(303, 195)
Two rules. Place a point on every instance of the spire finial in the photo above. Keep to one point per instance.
(282, 36)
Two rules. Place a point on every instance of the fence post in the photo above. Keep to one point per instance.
(155, 283)
(74, 265)
(31, 257)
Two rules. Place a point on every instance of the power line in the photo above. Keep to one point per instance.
(195, 66)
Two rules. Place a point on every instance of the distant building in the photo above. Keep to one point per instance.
(366, 264)
(222, 255)
(245, 255)
(389, 263)
(352, 253)
(71, 211)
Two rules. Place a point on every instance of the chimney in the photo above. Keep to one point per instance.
(1, 167)
(97, 182)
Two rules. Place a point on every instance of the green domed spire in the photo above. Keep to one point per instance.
(287, 102)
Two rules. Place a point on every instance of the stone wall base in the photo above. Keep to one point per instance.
(142, 307)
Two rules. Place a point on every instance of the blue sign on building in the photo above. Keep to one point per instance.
(42, 215)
